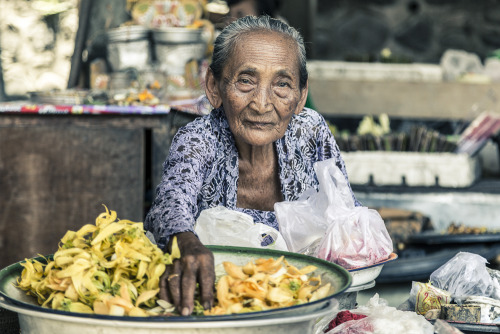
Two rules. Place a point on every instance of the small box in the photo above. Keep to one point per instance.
(465, 313)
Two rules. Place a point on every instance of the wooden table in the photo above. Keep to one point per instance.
(58, 170)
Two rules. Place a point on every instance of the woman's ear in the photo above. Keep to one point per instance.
(212, 89)
(303, 98)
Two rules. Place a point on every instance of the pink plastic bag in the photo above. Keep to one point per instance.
(304, 222)
(350, 236)
(384, 319)
(356, 238)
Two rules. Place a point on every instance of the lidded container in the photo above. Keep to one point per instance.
(179, 52)
(129, 47)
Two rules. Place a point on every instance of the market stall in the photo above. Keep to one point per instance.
(64, 154)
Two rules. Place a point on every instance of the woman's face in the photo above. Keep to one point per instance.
(260, 88)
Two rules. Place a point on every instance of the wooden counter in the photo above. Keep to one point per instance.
(56, 172)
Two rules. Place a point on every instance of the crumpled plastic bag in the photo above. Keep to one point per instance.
(464, 275)
(356, 239)
(328, 225)
(384, 319)
(225, 227)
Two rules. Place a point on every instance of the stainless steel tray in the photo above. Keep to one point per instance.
(296, 319)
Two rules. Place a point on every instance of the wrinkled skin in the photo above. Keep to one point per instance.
(196, 265)
(260, 93)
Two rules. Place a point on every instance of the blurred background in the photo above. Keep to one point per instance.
(92, 91)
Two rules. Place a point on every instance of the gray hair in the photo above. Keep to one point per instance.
(226, 41)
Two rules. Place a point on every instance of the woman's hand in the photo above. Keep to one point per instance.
(196, 265)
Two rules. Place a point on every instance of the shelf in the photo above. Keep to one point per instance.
(427, 100)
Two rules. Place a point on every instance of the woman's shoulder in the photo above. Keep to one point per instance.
(203, 125)
(309, 119)
(309, 116)
(202, 133)
(197, 124)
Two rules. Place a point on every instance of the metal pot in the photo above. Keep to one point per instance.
(129, 47)
(172, 58)
(127, 34)
(176, 46)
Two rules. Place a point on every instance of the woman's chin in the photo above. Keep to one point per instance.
(260, 138)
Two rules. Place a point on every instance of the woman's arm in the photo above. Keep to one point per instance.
(175, 205)
(173, 213)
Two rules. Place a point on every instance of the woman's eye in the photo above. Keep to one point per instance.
(244, 84)
(283, 84)
(244, 81)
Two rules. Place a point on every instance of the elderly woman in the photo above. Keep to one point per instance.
(257, 147)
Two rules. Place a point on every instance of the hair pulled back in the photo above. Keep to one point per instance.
(226, 41)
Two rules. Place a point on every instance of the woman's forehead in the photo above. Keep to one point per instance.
(263, 37)
(269, 49)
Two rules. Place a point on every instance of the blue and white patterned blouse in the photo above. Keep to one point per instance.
(201, 170)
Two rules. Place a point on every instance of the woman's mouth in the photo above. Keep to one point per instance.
(259, 124)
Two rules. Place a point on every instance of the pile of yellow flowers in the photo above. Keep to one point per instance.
(110, 268)
(265, 284)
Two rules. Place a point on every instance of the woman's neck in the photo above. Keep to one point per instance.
(256, 155)
(258, 182)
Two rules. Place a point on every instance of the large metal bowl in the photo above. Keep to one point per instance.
(289, 320)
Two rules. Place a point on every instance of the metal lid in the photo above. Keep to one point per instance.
(127, 33)
(178, 35)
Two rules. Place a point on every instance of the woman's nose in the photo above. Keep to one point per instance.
(263, 100)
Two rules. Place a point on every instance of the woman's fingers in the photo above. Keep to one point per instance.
(164, 286)
(194, 270)
(206, 278)
(196, 265)
(173, 282)
(188, 285)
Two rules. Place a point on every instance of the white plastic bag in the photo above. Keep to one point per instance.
(222, 226)
(464, 275)
(304, 222)
(384, 319)
(328, 222)
(301, 225)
